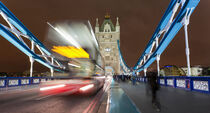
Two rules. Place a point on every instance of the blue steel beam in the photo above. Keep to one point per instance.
(16, 22)
(173, 30)
(17, 43)
(161, 26)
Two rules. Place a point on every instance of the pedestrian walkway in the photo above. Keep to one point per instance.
(172, 100)
(119, 101)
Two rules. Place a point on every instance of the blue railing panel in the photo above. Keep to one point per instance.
(199, 84)
(21, 81)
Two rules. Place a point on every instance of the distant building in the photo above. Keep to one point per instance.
(3, 74)
(107, 35)
(206, 71)
(195, 70)
(171, 70)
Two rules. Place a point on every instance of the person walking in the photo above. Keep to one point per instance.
(154, 86)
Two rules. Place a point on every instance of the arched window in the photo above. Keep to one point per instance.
(107, 49)
(107, 28)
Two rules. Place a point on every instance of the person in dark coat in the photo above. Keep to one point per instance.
(154, 86)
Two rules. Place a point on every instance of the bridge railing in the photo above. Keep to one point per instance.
(22, 81)
(200, 84)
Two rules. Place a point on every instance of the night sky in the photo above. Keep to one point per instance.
(138, 20)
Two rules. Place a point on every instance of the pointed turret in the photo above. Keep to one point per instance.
(117, 25)
(97, 26)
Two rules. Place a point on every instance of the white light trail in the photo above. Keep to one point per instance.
(74, 65)
(86, 87)
(52, 87)
(65, 35)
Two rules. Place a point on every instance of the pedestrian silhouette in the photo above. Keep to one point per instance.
(154, 87)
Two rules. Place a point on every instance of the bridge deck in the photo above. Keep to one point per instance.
(172, 100)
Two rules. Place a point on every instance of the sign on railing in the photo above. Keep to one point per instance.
(2, 83)
(20, 81)
(201, 85)
(13, 82)
(180, 83)
(25, 81)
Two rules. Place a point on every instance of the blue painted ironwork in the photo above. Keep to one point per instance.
(16, 22)
(168, 25)
(199, 84)
(14, 33)
(159, 30)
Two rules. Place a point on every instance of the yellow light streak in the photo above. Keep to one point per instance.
(70, 51)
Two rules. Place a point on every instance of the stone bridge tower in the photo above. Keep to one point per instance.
(107, 35)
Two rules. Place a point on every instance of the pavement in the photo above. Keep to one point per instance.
(172, 100)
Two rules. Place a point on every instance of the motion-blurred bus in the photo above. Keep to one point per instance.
(75, 45)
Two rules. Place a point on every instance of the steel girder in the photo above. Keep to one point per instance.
(14, 34)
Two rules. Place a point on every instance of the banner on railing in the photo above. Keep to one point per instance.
(20, 81)
(13, 82)
(2, 83)
(201, 85)
(25, 81)
(180, 83)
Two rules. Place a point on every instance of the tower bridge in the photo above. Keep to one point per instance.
(126, 93)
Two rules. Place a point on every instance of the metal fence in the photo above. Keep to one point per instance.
(200, 84)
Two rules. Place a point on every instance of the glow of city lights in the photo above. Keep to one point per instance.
(70, 51)
(86, 87)
(52, 87)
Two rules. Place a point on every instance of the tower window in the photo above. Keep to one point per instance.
(107, 49)
(107, 28)
(107, 58)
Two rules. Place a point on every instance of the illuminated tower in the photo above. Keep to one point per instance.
(107, 35)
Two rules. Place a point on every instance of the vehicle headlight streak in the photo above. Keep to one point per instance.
(86, 87)
(52, 87)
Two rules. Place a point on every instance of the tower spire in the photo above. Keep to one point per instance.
(97, 25)
(117, 23)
